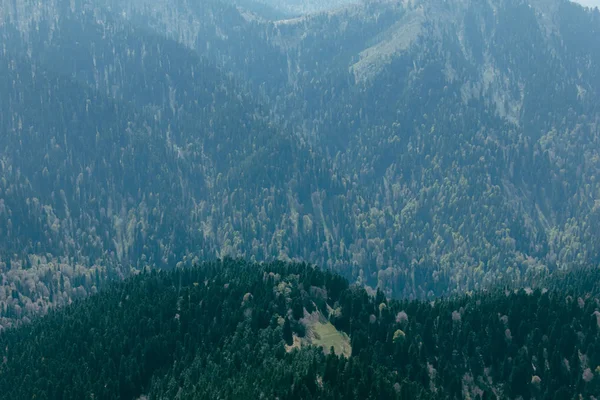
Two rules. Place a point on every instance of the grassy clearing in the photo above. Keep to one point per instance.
(323, 334)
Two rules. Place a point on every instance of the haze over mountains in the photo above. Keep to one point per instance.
(295, 7)
(423, 147)
(589, 3)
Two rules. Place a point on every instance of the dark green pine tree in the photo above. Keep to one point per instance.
(287, 332)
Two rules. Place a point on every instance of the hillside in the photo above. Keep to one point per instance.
(425, 148)
(105, 169)
(460, 154)
(466, 132)
(223, 330)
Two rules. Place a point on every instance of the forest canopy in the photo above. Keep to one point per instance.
(224, 330)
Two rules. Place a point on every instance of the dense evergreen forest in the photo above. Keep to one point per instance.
(237, 330)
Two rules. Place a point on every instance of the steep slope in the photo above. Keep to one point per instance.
(423, 147)
(222, 329)
(465, 134)
(118, 143)
(467, 131)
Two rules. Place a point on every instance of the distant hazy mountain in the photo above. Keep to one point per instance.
(425, 147)
(589, 3)
(272, 9)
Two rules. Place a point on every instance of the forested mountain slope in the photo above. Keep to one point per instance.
(465, 135)
(424, 147)
(117, 148)
(226, 329)
(470, 129)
